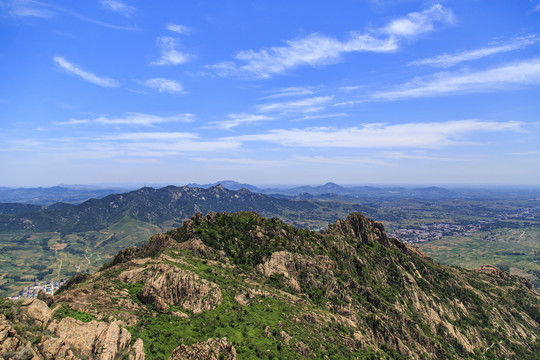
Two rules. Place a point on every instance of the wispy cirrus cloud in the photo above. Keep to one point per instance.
(24, 8)
(34, 8)
(157, 136)
(122, 146)
(290, 92)
(417, 23)
(169, 53)
(319, 49)
(313, 50)
(448, 60)
(235, 120)
(505, 77)
(132, 119)
(305, 105)
(408, 135)
(159, 144)
(77, 71)
(119, 7)
(164, 85)
(179, 29)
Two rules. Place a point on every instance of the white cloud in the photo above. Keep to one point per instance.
(164, 148)
(313, 50)
(324, 116)
(312, 104)
(240, 119)
(501, 78)
(448, 60)
(169, 54)
(416, 23)
(164, 85)
(75, 70)
(132, 118)
(290, 92)
(119, 7)
(318, 49)
(179, 29)
(408, 135)
(158, 136)
(123, 146)
(23, 8)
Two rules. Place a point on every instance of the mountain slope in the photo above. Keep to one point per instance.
(275, 291)
(62, 239)
(155, 206)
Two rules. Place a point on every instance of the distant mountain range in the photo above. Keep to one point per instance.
(331, 189)
(158, 206)
(76, 194)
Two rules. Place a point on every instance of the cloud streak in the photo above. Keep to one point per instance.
(417, 23)
(179, 29)
(164, 85)
(290, 92)
(132, 119)
(24, 8)
(313, 50)
(505, 77)
(305, 105)
(448, 60)
(33, 8)
(169, 53)
(119, 7)
(77, 71)
(319, 49)
(240, 119)
(409, 135)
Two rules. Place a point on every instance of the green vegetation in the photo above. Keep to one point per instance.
(66, 311)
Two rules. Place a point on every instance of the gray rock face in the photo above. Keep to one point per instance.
(71, 340)
(212, 349)
(168, 285)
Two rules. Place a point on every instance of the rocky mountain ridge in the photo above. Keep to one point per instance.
(243, 286)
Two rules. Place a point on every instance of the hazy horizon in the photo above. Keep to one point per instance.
(137, 185)
(373, 92)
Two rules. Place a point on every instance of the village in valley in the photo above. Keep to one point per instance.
(47, 286)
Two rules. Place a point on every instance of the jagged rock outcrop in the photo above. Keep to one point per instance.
(167, 285)
(12, 346)
(359, 226)
(213, 349)
(137, 351)
(37, 310)
(68, 338)
(292, 265)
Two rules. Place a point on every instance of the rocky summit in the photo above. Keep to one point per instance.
(228, 286)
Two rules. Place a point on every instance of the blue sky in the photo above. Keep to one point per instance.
(270, 92)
